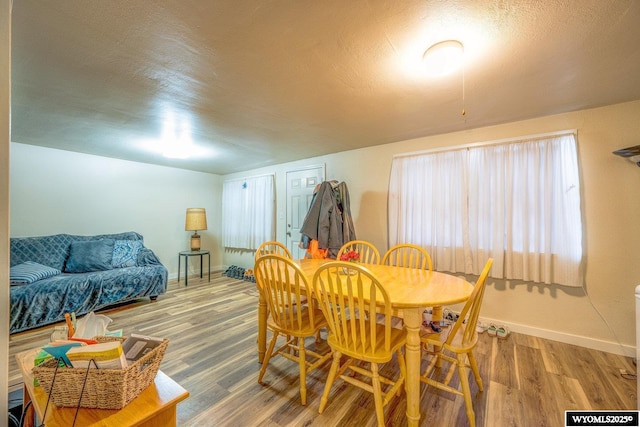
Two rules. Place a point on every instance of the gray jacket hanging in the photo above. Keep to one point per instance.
(329, 218)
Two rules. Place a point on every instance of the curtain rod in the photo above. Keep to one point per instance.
(249, 177)
(487, 143)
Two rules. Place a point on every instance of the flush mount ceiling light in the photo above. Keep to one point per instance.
(443, 58)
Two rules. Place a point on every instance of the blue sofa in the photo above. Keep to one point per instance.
(78, 274)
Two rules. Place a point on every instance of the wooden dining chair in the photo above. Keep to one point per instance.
(408, 255)
(348, 301)
(272, 248)
(368, 252)
(284, 285)
(277, 248)
(456, 348)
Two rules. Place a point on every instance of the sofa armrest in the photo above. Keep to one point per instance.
(147, 257)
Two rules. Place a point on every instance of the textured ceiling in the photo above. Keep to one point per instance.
(256, 83)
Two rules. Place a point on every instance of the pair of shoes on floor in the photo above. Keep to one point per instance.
(500, 331)
(430, 327)
(481, 327)
(448, 315)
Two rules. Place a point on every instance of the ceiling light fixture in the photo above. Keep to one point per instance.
(176, 139)
(445, 58)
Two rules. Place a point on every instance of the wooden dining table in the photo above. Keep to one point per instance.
(410, 292)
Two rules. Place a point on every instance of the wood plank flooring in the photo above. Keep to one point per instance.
(212, 353)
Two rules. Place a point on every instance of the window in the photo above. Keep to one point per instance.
(248, 207)
(517, 202)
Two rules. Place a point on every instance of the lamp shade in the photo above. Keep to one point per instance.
(196, 219)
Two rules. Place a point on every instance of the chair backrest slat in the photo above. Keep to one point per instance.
(367, 251)
(285, 288)
(272, 248)
(408, 255)
(350, 297)
(471, 309)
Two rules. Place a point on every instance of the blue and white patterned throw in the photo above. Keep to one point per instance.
(29, 272)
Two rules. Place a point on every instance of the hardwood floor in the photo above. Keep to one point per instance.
(212, 353)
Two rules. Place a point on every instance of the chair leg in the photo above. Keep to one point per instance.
(302, 362)
(474, 368)
(377, 394)
(330, 379)
(267, 356)
(466, 390)
(403, 369)
(431, 366)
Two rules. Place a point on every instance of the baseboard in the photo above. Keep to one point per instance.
(214, 269)
(582, 341)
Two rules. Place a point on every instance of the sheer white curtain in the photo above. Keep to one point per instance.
(518, 203)
(414, 217)
(248, 212)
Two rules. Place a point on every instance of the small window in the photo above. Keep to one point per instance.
(248, 212)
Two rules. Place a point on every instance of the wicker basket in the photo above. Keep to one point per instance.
(104, 388)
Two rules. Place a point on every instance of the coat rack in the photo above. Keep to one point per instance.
(630, 153)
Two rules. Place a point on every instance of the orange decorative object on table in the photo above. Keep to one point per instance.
(314, 252)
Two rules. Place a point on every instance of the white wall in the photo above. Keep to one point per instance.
(55, 191)
(599, 316)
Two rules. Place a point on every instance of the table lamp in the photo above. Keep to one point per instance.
(196, 220)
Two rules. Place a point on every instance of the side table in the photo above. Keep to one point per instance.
(155, 406)
(186, 255)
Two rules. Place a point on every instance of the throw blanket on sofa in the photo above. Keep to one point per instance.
(94, 286)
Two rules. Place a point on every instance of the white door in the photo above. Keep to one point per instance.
(300, 186)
